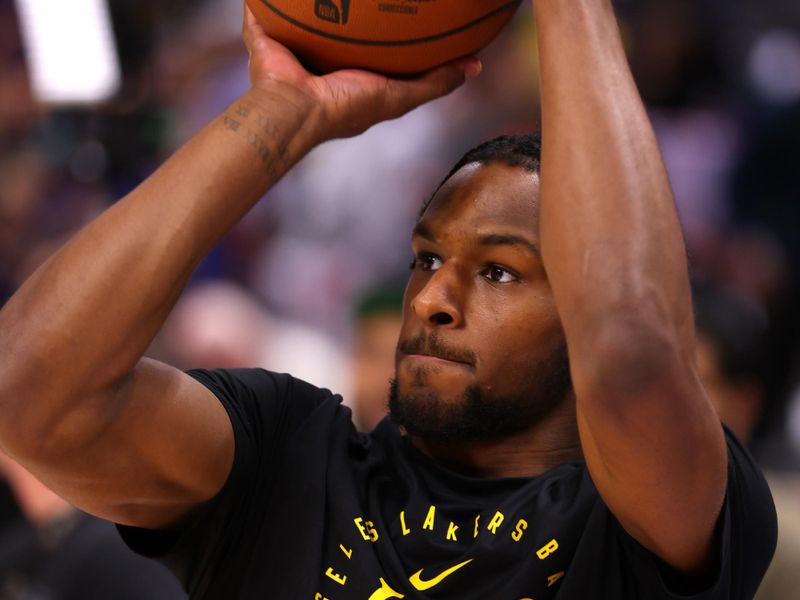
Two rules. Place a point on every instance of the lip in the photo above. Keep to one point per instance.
(434, 360)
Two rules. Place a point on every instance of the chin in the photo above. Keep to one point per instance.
(448, 404)
(467, 416)
(446, 382)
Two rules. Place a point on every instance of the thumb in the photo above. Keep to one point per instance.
(403, 95)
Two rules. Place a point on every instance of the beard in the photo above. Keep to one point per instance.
(478, 414)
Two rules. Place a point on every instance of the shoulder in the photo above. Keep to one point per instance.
(256, 396)
(257, 384)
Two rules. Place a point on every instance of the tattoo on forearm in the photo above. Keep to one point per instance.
(265, 125)
(231, 124)
(259, 130)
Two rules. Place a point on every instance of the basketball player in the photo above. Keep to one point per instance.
(555, 441)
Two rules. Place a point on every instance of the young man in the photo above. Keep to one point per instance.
(511, 480)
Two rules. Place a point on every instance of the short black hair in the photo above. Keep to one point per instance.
(520, 150)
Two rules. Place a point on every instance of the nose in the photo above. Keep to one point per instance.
(438, 303)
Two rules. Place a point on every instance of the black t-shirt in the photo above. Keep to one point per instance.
(314, 510)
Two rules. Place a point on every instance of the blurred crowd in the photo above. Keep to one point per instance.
(310, 282)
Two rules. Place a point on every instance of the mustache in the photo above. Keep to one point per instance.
(432, 345)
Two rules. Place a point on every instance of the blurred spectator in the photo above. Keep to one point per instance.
(674, 52)
(18, 110)
(54, 552)
(217, 324)
(766, 199)
(376, 326)
(730, 353)
(22, 174)
(9, 511)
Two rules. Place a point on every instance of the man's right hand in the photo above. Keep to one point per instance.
(348, 102)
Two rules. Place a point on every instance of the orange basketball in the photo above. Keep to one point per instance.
(390, 36)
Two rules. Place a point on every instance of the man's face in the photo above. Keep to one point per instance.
(481, 351)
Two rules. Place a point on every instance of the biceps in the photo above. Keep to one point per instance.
(166, 449)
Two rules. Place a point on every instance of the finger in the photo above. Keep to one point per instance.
(251, 30)
(404, 95)
(249, 17)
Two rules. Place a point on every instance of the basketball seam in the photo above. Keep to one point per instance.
(362, 42)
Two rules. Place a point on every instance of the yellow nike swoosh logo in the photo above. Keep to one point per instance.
(421, 585)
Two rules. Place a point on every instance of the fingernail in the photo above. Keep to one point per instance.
(472, 68)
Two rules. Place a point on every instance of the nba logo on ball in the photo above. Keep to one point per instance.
(328, 11)
(397, 37)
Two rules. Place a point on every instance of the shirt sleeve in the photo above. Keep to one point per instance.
(746, 538)
(265, 409)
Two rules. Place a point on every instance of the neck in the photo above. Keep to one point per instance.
(550, 442)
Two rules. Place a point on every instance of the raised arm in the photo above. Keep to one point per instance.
(614, 253)
(120, 436)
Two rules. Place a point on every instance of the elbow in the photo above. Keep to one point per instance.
(17, 437)
(633, 338)
(25, 417)
(32, 397)
(12, 396)
(631, 357)
(20, 370)
(30, 436)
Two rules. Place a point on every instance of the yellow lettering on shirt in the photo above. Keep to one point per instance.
(346, 552)
(553, 579)
(367, 529)
(340, 579)
(361, 529)
(405, 529)
(385, 592)
(428, 524)
(371, 531)
(477, 521)
(547, 550)
(451, 532)
(516, 535)
(319, 596)
(496, 521)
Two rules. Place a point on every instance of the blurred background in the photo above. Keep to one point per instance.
(311, 281)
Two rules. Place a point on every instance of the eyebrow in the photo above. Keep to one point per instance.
(506, 239)
(490, 239)
(421, 230)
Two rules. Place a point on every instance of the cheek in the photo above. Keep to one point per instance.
(517, 339)
(532, 315)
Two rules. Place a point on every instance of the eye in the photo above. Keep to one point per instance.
(498, 274)
(426, 262)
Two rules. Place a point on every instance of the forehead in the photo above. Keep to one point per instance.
(487, 197)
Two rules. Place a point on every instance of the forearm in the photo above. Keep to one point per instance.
(610, 235)
(85, 318)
